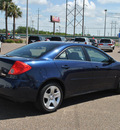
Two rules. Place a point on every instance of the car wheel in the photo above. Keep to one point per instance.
(50, 98)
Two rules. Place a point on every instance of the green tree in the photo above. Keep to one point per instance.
(15, 12)
(22, 30)
(4, 4)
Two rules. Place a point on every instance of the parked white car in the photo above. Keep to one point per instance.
(83, 40)
(106, 44)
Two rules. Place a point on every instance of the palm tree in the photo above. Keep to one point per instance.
(4, 4)
(14, 11)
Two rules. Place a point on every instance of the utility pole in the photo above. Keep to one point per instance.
(115, 27)
(111, 27)
(83, 18)
(66, 18)
(38, 21)
(105, 23)
(74, 18)
(59, 29)
(32, 25)
(27, 22)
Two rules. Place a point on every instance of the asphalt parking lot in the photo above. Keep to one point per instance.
(96, 111)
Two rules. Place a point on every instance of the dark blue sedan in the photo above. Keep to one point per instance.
(48, 72)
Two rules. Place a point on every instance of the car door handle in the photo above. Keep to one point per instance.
(65, 67)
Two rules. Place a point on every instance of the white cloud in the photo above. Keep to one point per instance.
(38, 1)
(41, 2)
(60, 10)
(108, 1)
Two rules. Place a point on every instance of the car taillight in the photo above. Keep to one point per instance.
(100, 44)
(85, 42)
(19, 68)
(110, 44)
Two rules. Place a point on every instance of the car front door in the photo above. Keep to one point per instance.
(75, 70)
(104, 75)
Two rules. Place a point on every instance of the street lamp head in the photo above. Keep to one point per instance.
(105, 10)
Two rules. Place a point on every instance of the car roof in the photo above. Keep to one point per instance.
(35, 36)
(62, 43)
(105, 39)
(80, 37)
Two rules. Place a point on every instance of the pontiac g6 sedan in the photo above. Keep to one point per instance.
(48, 72)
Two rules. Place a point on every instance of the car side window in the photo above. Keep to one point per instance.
(96, 55)
(62, 56)
(73, 53)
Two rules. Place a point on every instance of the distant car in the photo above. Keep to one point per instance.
(35, 39)
(2, 38)
(106, 44)
(71, 40)
(16, 37)
(94, 42)
(48, 72)
(82, 40)
(56, 38)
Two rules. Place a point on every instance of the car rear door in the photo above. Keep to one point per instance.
(75, 70)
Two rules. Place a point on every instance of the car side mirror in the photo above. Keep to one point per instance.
(111, 60)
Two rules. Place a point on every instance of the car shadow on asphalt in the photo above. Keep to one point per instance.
(87, 97)
(10, 110)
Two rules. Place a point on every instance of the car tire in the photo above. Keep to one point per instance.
(49, 98)
(111, 51)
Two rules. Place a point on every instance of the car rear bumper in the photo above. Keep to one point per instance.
(106, 47)
(18, 91)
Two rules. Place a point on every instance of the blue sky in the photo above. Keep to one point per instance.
(94, 15)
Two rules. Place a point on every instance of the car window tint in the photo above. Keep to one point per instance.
(73, 53)
(105, 41)
(33, 50)
(62, 56)
(55, 39)
(80, 39)
(96, 55)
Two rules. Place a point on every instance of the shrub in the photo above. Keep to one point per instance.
(9, 41)
(13, 41)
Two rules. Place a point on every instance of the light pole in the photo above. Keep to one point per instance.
(105, 23)
(27, 22)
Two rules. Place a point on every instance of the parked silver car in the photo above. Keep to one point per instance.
(83, 40)
(106, 44)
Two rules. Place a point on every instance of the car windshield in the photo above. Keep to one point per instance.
(34, 50)
(79, 39)
(105, 41)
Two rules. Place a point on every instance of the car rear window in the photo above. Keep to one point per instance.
(79, 39)
(105, 41)
(55, 39)
(34, 50)
(92, 40)
(34, 38)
